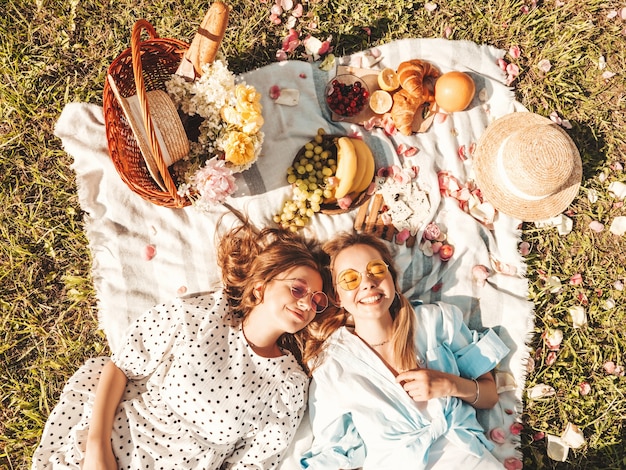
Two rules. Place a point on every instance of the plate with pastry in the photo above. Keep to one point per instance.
(405, 94)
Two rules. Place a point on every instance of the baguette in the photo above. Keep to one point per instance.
(206, 42)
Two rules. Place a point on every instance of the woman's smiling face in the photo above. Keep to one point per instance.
(374, 294)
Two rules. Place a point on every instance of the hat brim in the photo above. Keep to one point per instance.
(491, 185)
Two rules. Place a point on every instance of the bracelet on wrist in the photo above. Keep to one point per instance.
(477, 393)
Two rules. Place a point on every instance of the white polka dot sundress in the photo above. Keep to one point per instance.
(198, 396)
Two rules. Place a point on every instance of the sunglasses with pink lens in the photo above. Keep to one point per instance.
(300, 289)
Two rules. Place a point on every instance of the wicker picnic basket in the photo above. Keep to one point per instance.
(143, 67)
(141, 71)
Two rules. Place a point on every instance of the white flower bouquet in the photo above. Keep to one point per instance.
(229, 136)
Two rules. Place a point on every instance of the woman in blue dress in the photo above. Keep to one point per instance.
(395, 386)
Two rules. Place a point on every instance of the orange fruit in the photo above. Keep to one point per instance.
(381, 101)
(454, 91)
(388, 80)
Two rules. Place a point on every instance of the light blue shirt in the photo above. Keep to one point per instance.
(362, 418)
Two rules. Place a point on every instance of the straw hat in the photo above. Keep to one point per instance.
(168, 128)
(527, 166)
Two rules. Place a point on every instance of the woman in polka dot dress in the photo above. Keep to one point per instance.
(206, 382)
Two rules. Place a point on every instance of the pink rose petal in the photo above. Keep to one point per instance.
(274, 92)
(149, 252)
(181, 290)
(584, 388)
(497, 435)
(516, 428)
(514, 52)
(576, 279)
(513, 463)
(596, 226)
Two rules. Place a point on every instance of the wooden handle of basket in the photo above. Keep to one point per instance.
(206, 42)
(142, 96)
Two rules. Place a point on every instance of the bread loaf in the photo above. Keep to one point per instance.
(412, 73)
(206, 42)
(405, 105)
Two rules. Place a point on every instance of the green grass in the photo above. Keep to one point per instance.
(55, 52)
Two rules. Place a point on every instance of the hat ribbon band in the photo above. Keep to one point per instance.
(507, 181)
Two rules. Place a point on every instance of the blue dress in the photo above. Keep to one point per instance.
(361, 417)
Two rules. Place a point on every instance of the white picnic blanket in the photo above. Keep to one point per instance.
(120, 225)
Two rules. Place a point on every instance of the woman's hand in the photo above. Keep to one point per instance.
(99, 456)
(425, 384)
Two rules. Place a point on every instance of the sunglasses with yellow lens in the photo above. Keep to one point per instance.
(350, 279)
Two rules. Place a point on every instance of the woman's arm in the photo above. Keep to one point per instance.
(424, 384)
(111, 386)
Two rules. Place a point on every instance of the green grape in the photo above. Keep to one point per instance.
(309, 145)
(291, 179)
(308, 154)
(315, 207)
(309, 167)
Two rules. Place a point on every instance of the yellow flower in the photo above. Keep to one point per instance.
(239, 148)
(248, 99)
(251, 122)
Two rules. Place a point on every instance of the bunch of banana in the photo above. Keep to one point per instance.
(355, 167)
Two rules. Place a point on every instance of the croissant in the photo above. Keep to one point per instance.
(412, 74)
(405, 105)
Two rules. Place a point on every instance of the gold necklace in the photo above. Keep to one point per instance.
(372, 345)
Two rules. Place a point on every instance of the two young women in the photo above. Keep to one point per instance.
(217, 381)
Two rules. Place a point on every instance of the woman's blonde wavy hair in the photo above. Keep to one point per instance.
(404, 319)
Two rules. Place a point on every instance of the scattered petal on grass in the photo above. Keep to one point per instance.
(497, 435)
(544, 65)
(578, 316)
(551, 358)
(563, 224)
(601, 63)
(447, 32)
(149, 252)
(524, 248)
(553, 338)
(515, 52)
(617, 189)
(429, 6)
(592, 196)
(557, 449)
(609, 367)
(573, 436)
(540, 391)
(596, 226)
(576, 279)
(607, 75)
(553, 283)
(618, 285)
(584, 388)
(618, 226)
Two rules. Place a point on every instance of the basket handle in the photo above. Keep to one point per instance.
(135, 44)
